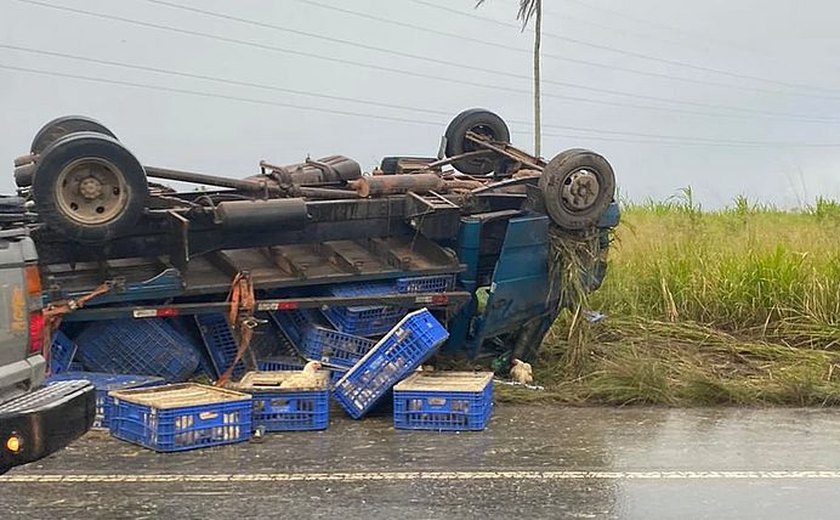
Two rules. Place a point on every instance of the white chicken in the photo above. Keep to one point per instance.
(306, 378)
(521, 372)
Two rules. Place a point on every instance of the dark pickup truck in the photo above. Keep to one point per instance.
(35, 420)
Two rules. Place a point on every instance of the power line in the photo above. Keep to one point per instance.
(558, 57)
(643, 21)
(461, 65)
(632, 53)
(227, 81)
(652, 141)
(263, 86)
(176, 90)
(664, 138)
(744, 112)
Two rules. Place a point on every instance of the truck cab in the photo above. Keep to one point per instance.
(35, 420)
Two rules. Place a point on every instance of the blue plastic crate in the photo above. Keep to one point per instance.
(444, 401)
(220, 343)
(276, 409)
(147, 346)
(104, 383)
(279, 363)
(268, 340)
(426, 284)
(363, 320)
(291, 411)
(395, 356)
(187, 327)
(335, 348)
(62, 351)
(293, 323)
(317, 342)
(181, 417)
(349, 290)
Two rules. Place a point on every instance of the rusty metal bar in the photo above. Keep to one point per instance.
(396, 184)
(504, 184)
(449, 160)
(509, 151)
(210, 180)
(327, 193)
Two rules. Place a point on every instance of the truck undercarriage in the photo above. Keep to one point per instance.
(113, 244)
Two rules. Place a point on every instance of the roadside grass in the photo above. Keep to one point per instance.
(739, 306)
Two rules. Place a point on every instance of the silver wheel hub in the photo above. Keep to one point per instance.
(90, 188)
(91, 191)
(580, 190)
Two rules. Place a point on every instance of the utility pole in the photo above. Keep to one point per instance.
(537, 90)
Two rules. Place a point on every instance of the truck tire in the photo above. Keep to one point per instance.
(89, 187)
(63, 126)
(578, 185)
(481, 122)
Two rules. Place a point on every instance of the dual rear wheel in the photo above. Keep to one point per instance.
(91, 188)
(577, 185)
(86, 184)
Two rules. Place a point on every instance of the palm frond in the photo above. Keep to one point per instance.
(527, 9)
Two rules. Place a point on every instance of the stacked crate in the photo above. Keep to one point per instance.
(453, 401)
(286, 409)
(181, 417)
(413, 340)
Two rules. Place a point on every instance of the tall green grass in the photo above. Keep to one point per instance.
(739, 305)
(742, 267)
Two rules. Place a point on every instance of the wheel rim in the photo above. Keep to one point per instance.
(91, 191)
(580, 190)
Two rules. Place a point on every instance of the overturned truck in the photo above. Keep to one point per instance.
(469, 234)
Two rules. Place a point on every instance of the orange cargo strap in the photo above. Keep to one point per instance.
(54, 311)
(241, 318)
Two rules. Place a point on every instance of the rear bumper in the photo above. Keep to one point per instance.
(46, 421)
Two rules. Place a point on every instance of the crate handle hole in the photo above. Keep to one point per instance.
(437, 401)
(205, 416)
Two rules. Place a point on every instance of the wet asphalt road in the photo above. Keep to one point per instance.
(532, 462)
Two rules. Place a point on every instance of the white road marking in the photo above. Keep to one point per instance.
(432, 475)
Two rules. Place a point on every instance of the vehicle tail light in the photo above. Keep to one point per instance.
(32, 279)
(36, 332)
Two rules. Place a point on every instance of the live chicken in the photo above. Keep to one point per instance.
(521, 372)
(307, 378)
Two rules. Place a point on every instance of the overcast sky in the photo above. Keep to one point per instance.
(755, 113)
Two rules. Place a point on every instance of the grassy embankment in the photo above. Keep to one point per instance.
(739, 306)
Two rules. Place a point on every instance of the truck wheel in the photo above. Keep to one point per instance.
(89, 187)
(63, 126)
(481, 122)
(578, 186)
